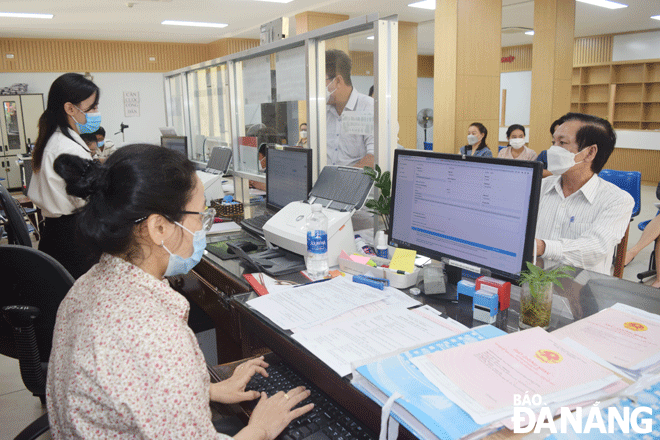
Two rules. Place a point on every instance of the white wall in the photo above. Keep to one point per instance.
(143, 128)
(642, 46)
(518, 87)
(424, 100)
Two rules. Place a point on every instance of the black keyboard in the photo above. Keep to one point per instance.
(256, 224)
(327, 421)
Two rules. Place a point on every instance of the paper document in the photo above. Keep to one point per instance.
(218, 228)
(376, 334)
(622, 335)
(314, 302)
(393, 298)
(484, 378)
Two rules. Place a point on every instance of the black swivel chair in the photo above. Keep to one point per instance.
(34, 285)
(13, 219)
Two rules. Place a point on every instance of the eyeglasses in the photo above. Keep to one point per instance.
(208, 215)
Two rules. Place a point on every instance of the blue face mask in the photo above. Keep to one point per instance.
(92, 122)
(181, 266)
(100, 144)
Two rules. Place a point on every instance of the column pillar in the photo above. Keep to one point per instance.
(466, 80)
(407, 97)
(552, 67)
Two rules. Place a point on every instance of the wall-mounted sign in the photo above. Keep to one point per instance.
(131, 104)
(508, 59)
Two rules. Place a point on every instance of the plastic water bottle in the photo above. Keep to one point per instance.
(317, 243)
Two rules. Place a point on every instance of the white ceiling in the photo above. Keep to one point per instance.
(115, 20)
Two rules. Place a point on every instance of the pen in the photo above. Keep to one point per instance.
(313, 282)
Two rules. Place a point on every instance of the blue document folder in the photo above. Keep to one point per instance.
(423, 409)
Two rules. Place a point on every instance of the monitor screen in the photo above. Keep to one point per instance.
(479, 211)
(288, 175)
(176, 143)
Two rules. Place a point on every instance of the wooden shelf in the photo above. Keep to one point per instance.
(627, 93)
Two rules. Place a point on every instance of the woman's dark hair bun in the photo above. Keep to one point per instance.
(83, 177)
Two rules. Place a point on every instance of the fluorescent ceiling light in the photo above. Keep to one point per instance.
(194, 23)
(370, 37)
(656, 17)
(24, 15)
(424, 4)
(529, 33)
(275, 1)
(604, 4)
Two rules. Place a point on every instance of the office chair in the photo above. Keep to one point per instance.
(34, 285)
(630, 181)
(13, 219)
(651, 271)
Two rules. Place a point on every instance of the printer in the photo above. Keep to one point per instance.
(341, 191)
(211, 177)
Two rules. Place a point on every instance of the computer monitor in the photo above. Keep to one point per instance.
(474, 210)
(177, 143)
(288, 175)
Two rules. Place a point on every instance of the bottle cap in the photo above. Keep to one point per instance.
(415, 291)
(316, 207)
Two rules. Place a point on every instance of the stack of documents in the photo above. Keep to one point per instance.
(342, 322)
(624, 336)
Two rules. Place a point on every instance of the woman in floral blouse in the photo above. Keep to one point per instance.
(124, 363)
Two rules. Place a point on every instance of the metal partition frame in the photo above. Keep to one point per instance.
(385, 80)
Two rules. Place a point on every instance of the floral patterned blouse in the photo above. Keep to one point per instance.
(124, 363)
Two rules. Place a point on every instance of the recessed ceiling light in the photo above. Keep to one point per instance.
(194, 23)
(604, 4)
(656, 17)
(424, 4)
(529, 33)
(370, 37)
(24, 15)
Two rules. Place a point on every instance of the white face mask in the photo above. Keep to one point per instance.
(560, 160)
(517, 143)
(328, 93)
(303, 134)
(472, 139)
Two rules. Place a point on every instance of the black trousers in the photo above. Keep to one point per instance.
(60, 240)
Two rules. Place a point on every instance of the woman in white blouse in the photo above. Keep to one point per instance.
(516, 149)
(72, 110)
(124, 363)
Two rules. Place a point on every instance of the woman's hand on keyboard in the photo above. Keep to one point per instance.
(272, 415)
(232, 390)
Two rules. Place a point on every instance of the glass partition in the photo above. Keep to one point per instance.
(262, 95)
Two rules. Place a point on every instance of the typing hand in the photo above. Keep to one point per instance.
(272, 415)
(232, 390)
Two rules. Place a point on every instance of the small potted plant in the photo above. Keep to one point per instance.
(536, 295)
(381, 205)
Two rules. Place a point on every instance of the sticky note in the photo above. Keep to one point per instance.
(371, 263)
(360, 258)
(403, 259)
(344, 255)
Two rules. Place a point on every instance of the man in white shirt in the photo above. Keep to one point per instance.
(356, 147)
(581, 216)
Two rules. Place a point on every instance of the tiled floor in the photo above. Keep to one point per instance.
(18, 408)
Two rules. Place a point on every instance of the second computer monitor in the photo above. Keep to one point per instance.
(288, 175)
(469, 209)
(176, 143)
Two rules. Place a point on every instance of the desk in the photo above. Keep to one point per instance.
(250, 333)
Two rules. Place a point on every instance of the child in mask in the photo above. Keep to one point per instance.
(516, 149)
(123, 322)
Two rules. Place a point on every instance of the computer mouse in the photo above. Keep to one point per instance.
(244, 245)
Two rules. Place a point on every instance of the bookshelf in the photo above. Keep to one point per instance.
(625, 93)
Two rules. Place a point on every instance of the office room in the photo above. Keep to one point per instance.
(498, 63)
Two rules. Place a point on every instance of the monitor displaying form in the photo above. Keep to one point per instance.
(474, 210)
(288, 176)
(177, 143)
